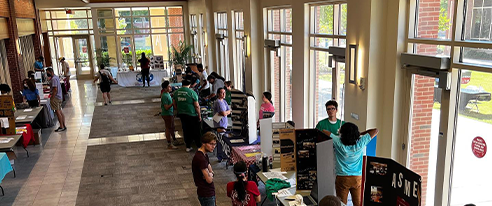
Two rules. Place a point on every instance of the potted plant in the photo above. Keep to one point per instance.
(179, 56)
(102, 57)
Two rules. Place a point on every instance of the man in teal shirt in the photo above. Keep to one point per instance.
(186, 102)
(330, 124)
(349, 149)
(167, 114)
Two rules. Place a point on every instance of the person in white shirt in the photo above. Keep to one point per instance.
(205, 86)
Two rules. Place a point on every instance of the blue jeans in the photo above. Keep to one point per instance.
(207, 201)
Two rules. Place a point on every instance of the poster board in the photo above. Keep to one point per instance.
(266, 135)
(6, 111)
(306, 140)
(252, 120)
(325, 168)
(385, 182)
(287, 150)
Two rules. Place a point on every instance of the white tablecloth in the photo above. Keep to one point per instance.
(131, 79)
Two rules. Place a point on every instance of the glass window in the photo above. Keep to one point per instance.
(108, 49)
(70, 24)
(471, 160)
(160, 46)
(222, 45)
(434, 20)
(4, 66)
(240, 52)
(121, 12)
(175, 21)
(105, 13)
(64, 15)
(157, 11)
(107, 24)
(141, 22)
(430, 49)
(142, 11)
(176, 10)
(478, 20)
(477, 56)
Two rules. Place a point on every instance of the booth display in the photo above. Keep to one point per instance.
(306, 140)
(133, 78)
(385, 182)
(7, 117)
(287, 149)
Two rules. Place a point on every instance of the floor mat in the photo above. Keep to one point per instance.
(119, 93)
(127, 119)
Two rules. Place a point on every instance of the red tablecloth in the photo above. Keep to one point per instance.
(239, 154)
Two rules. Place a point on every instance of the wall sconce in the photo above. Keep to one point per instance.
(352, 63)
(245, 46)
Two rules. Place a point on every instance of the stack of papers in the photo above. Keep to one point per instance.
(283, 193)
(21, 117)
(271, 175)
(5, 140)
(237, 140)
(28, 110)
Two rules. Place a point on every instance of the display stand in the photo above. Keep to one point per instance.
(266, 133)
(7, 115)
(326, 175)
(306, 156)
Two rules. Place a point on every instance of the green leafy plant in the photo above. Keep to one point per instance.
(180, 55)
(102, 57)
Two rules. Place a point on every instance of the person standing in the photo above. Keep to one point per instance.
(331, 124)
(349, 148)
(66, 72)
(243, 192)
(145, 66)
(203, 175)
(39, 67)
(56, 98)
(167, 114)
(105, 84)
(228, 95)
(30, 93)
(267, 105)
(222, 109)
(186, 102)
(204, 87)
(217, 82)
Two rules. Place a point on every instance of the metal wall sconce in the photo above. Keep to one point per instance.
(245, 46)
(352, 64)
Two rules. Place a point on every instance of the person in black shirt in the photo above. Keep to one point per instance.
(203, 175)
(145, 65)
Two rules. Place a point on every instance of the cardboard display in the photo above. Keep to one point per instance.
(266, 135)
(6, 111)
(325, 168)
(287, 150)
(385, 182)
(306, 167)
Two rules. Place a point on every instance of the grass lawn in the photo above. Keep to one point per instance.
(478, 79)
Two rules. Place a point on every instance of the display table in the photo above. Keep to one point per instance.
(8, 147)
(27, 116)
(291, 175)
(134, 78)
(46, 116)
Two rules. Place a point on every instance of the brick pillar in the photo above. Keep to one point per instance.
(36, 40)
(16, 66)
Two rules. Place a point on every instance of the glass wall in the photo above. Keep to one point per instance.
(328, 27)
(431, 33)
(239, 54)
(135, 30)
(222, 45)
(279, 27)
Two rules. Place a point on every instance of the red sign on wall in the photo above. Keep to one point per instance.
(84, 49)
(479, 147)
(126, 50)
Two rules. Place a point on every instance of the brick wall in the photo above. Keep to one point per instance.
(24, 9)
(423, 95)
(4, 8)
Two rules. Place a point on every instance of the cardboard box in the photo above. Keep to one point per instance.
(287, 149)
(38, 139)
(6, 102)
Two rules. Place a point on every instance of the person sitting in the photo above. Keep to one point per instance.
(349, 148)
(30, 93)
(243, 192)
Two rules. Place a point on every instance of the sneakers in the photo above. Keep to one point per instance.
(189, 149)
(110, 101)
(170, 146)
(177, 142)
(105, 104)
(61, 129)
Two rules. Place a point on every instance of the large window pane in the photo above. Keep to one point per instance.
(143, 11)
(176, 10)
(122, 12)
(105, 13)
(143, 44)
(434, 19)
(160, 46)
(157, 11)
(478, 20)
(108, 46)
(323, 85)
(70, 24)
(477, 56)
(124, 23)
(175, 21)
(471, 178)
(158, 22)
(140, 22)
(174, 39)
(107, 24)
(321, 42)
(323, 19)
(343, 20)
(430, 49)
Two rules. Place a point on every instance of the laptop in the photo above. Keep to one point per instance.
(312, 199)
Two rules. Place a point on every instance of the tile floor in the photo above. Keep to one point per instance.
(52, 175)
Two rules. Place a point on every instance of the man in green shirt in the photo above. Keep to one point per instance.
(167, 113)
(186, 102)
(331, 124)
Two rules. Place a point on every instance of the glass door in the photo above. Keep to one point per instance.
(65, 49)
(127, 58)
(472, 163)
(83, 56)
(425, 112)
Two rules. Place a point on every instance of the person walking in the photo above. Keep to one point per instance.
(145, 66)
(167, 114)
(186, 102)
(349, 148)
(203, 175)
(56, 98)
(243, 192)
(30, 93)
(105, 84)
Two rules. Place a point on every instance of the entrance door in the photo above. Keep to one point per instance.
(422, 141)
(126, 56)
(83, 56)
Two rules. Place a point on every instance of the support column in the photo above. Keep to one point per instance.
(16, 66)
